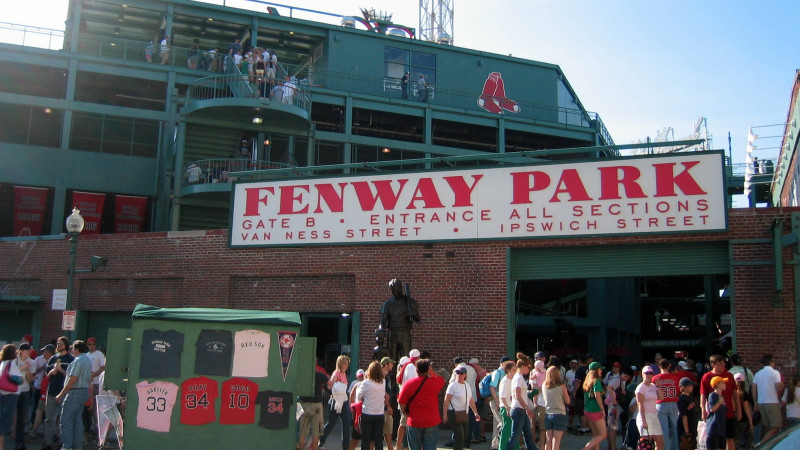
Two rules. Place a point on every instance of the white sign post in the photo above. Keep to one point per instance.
(68, 320)
(59, 299)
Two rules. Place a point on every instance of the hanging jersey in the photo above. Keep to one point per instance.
(155, 405)
(197, 401)
(251, 357)
(238, 402)
(214, 352)
(161, 354)
(275, 408)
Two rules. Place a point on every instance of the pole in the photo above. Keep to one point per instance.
(73, 250)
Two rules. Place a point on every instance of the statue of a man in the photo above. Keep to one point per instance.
(397, 315)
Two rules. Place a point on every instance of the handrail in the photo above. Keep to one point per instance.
(241, 86)
(212, 171)
(31, 36)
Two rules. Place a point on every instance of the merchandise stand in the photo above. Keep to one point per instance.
(212, 378)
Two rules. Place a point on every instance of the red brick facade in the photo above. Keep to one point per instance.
(462, 296)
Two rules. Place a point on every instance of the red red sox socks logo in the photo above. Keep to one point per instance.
(493, 98)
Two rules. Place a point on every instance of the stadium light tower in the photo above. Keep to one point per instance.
(436, 21)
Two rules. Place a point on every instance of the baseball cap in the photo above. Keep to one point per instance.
(24, 346)
(458, 360)
(685, 381)
(91, 340)
(539, 365)
(28, 338)
(460, 370)
(404, 360)
(647, 369)
(474, 361)
(617, 364)
(386, 360)
(574, 361)
(48, 348)
(737, 376)
(595, 365)
(715, 381)
(683, 365)
(414, 353)
(540, 355)
(504, 359)
(360, 373)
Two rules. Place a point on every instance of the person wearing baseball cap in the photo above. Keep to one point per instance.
(687, 425)
(715, 422)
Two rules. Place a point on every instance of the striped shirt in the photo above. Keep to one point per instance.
(81, 368)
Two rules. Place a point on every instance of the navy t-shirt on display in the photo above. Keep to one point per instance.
(214, 353)
(275, 407)
(161, 354)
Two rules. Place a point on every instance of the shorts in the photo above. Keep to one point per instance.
(311, 420)
(403, 419)
(653, 424)
(388, 423)
(8, 409)
(593, 416)
(770, 415)
(556, 422)
(730, 427)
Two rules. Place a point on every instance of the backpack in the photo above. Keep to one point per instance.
(484, 385)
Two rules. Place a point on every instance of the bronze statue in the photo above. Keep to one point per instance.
(397, 316)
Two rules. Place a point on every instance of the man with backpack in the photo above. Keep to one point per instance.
(488, 389)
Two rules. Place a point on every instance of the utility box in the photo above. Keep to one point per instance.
(210, 378)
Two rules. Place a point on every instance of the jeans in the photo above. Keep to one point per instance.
(505, 432)
(422, 438)
(72, 417)
(8, 406)
(459, 430)
(372, 431)
(51, 411)
(347, 423)
(23, 414)
(668, 418)
(521, 425)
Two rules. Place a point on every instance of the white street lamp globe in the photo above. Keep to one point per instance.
(75, 222)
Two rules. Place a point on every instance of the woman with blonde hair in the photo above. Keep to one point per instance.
(556, 399)
(339, 406)
(593, 404)
(372, 393)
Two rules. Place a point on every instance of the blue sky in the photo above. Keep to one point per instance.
(642, 65)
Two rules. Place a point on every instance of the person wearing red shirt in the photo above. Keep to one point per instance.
(734, 409)
(421, 396)
(668, 381)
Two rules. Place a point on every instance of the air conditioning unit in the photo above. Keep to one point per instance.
(348, 22)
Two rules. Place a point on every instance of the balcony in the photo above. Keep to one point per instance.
(216, 175)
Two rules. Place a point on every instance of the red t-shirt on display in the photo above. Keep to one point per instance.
(727, 394)
(238, 402)
(669, 383)
(424, 409)
(197, 401)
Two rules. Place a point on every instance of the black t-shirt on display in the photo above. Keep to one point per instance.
(214, 353)
(161, 354)
(275, 408)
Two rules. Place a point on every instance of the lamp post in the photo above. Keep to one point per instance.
(74, 227)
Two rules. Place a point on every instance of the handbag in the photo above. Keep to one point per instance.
(686, 443)
(646, 443)
(356, 409)
(461, 416)
(6, 383)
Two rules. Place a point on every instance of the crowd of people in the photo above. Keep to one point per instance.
(51, 391)
(669, 403)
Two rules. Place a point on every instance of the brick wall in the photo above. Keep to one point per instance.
(462, 297)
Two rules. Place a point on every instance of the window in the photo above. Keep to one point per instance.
(398, 61)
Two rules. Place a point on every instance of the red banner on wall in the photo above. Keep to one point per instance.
(91, 207)
(29, 206)
(129, 214)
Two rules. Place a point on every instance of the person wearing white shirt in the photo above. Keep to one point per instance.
(456, 401)
(372, 393)
(521, 413)
(767, 388)
(505, 394)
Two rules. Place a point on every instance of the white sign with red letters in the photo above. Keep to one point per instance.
(641, 195)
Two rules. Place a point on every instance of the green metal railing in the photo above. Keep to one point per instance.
(243, 86)
(212, 171)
